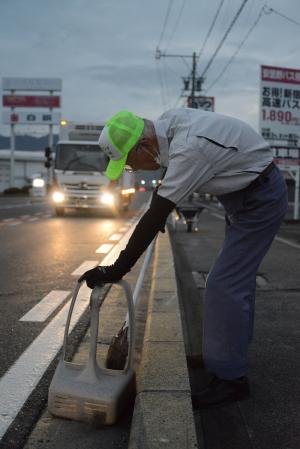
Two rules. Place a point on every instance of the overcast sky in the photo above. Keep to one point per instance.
(104, 52)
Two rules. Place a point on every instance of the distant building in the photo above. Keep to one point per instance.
(27, 164)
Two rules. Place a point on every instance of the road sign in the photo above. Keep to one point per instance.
(201, 102)
(54, 84)
(31, 118)
(280, 103)
(32, 101)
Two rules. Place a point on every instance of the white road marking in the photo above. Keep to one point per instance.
(218, 215)
(115, 237)
(279, 239)
(8, 219)
(24, 216)
(87, 265)
(22, 378)
(105, 248)
(123, 229)
(16, 223)
(41, 311)
(288, 242)
(33, 219)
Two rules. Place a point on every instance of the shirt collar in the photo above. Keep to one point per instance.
(161, 127)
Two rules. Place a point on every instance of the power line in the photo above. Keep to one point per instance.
(161, 83)
(237, 50)
(211, 28)
(184, 61)
(176, 23)
(165, 22)
(223, 38)
(268, 10)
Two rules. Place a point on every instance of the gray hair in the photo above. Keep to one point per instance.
(149, 130)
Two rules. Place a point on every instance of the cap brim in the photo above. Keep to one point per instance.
(115, 168)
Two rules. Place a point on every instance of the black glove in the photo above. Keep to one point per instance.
(101, 275)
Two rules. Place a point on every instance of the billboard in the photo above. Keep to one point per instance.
(280, 104)
(201, 102)
(32, 84)
(32, 101)
(31, 118)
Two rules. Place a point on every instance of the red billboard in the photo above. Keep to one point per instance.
(31, 101)
(280, 74)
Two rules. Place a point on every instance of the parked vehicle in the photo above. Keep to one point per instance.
(78, 173)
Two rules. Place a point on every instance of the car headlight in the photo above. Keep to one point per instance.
(107, 198)
(58, 197)
(38, 182)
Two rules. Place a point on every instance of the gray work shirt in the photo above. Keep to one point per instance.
(207, 152)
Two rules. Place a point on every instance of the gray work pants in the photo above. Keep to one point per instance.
(253, 216)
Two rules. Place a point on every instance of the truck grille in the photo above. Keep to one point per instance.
(81, 186)
(81, 189)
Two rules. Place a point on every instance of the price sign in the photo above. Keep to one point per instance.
(280, 103)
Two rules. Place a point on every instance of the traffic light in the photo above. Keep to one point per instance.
(48, 156)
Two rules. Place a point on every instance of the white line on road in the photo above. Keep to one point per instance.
(115, 237)
(41, 311)
(218, 215)
(22, 378)
(105, 248)
(87, 265)
(278, 239)
(123, 229)
(287, 242)
(33, 219)
(8, 219)
(16, 223)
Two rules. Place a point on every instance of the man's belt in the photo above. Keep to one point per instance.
(261, 177)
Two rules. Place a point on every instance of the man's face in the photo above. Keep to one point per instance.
(142, 156)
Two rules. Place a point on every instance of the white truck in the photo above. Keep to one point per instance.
(78, 173)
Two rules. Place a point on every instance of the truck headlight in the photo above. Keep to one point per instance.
(38, 182)
(107, 198)
(58, 197)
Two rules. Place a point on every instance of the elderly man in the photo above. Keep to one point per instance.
(205, 152)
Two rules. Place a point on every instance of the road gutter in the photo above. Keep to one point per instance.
(163, 414)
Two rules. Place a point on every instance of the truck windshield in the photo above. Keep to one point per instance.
(79, 157)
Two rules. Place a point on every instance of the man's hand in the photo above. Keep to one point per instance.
(100, 275)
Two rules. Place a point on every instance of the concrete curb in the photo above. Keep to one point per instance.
(163, 415)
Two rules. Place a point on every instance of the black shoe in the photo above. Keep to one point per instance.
(195, 361)
(220, 392)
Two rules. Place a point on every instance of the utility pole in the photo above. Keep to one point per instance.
(192, 83)
(193, 79)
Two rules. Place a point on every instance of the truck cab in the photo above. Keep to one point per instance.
(78, 178)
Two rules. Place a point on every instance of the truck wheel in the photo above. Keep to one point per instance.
(60, 211)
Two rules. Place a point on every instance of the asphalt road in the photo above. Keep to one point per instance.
(39, 254)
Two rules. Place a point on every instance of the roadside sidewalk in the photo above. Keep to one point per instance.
(270, 419)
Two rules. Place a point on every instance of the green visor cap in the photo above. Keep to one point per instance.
(120, 134)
